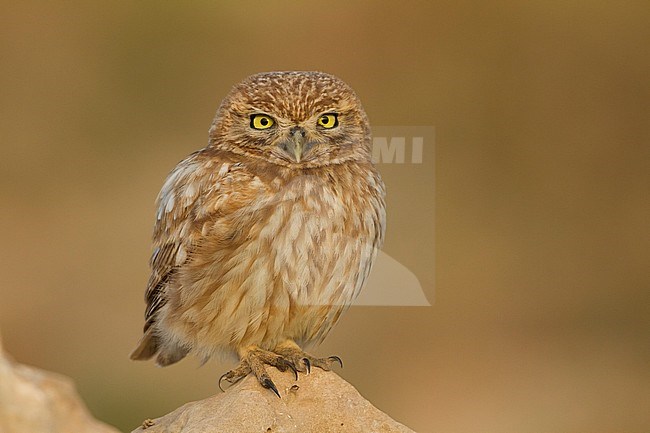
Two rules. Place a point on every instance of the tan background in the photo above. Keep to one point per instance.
(541, 315)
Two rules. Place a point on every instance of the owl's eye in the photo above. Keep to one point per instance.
(328, 121)
(261, 121)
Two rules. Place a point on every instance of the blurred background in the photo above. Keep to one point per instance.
(527, 225)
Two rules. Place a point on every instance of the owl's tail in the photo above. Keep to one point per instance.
(149, 345)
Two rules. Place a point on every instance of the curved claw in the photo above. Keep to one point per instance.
(307, 364)
(268, 384)
(284, 364)
(231, 377)
(220, 380)
(337, 359)
(293, 368)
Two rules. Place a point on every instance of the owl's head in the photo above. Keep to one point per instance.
(294, 119)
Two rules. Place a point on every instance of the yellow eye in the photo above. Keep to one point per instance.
(261, 121)
(328, 121)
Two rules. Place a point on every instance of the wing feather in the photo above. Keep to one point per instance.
(177, 228)
(203, 188)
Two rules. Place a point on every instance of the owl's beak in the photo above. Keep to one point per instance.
(295, 146)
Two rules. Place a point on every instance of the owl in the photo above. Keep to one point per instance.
(265, 236)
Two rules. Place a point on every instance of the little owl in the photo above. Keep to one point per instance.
(267, 234)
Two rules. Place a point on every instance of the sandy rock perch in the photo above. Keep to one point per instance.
(321, 402)
(36, 401)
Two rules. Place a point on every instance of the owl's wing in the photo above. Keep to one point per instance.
(201, 188)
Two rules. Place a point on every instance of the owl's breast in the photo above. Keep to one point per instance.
(284, 264)
(322, 238)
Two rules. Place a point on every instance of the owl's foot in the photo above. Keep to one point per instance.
(304, 361)
(252, 361)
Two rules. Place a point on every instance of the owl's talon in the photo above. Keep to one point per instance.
(220, 380)
(268, 384)
(304, 361)
(292, 367)
(337, 359)
(232, 377)
(254, 360)
(284, 365)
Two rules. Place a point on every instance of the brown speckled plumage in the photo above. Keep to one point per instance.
(258, 250)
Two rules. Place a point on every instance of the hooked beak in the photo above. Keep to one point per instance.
(295, 145)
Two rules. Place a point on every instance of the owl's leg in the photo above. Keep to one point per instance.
(302, 360)
(252, 360)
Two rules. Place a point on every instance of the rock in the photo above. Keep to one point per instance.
(35, 401)
(318, 402)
